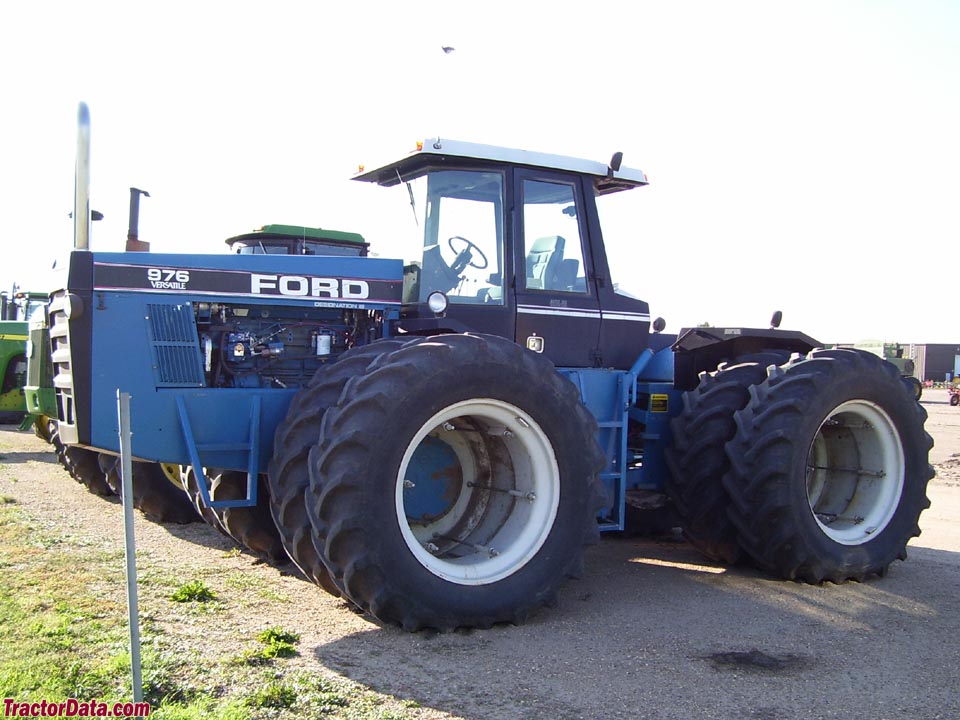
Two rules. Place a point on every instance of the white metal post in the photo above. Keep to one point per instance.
(126, 469)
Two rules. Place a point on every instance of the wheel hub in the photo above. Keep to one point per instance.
(855, 472)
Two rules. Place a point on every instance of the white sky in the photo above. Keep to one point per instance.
(802, 156)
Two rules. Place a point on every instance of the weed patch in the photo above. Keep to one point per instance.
(273, 695)
(277, 643)
(193, 591)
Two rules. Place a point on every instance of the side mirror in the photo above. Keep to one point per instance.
(659, 324)
(776, 319)
(614, 165)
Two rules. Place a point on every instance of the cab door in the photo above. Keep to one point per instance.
(558, 312)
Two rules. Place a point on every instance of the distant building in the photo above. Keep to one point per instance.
(935, 362)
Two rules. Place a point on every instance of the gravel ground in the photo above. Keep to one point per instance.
(652, 631)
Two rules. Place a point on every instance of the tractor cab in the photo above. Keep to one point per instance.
(22, 306)
(508, 242)
(298, 240)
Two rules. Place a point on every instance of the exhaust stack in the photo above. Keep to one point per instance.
(134, 244)
(81, 198)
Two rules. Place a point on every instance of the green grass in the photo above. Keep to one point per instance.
(64, 619)
(193, 591)
(278, 636)
(277, 643)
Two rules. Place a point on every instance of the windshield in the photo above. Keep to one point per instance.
(457, 244)
(618, 218)
(242, 249)
(304, 247)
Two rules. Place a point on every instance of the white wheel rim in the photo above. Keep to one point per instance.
(496, 526)
(855, 472)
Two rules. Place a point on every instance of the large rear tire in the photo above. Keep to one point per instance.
(83, 467)
(156, 489)
(829, 468)
(288, 476)
(252, 527)
(697, 460)
(189, 483)
(455, 484)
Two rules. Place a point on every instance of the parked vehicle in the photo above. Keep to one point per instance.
(437, 438)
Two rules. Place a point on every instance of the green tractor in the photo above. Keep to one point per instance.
(17, 310)
(893, 354)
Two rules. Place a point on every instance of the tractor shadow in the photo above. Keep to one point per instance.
(653, 625)
(19, 457)
(41, 451)
(200, 533)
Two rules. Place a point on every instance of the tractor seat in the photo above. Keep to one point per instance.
(567, 275)
(543, 263)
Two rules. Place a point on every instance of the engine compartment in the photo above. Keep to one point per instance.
(257, 346)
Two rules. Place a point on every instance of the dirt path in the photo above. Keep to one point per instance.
(652, 631)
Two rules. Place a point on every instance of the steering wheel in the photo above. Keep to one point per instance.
(466, 260)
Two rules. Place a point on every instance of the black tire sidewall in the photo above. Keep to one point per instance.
(843, 384)
(409, 413)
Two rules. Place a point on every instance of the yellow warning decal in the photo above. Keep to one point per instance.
(659, 403)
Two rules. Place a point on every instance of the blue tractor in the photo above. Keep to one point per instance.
(437, 438)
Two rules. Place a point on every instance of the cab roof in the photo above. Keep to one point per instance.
(435, 151)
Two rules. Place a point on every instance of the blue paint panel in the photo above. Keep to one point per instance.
(658, 403)
(220, 418)
(660, 368)
(603, 391)
(437, 481)
(633, 421)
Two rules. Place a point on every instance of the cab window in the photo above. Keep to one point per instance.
(462, 231)
(552, 242)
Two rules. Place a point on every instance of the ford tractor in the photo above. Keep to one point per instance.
(436, 438)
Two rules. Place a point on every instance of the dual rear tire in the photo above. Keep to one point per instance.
(453, 483)
(825, 473)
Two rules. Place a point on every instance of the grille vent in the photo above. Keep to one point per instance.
(173, 335)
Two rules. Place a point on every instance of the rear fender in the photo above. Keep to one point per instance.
(704, 349)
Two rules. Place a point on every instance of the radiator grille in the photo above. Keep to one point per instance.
(173, 336)
(61, 358)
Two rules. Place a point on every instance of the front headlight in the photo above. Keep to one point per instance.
(437, 302)
(72, 306)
